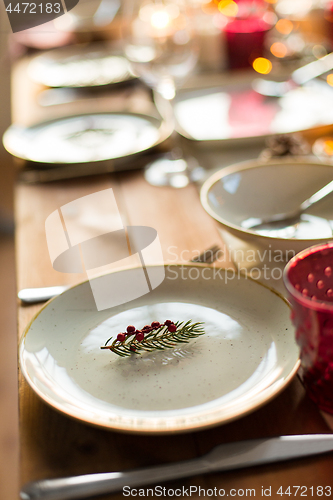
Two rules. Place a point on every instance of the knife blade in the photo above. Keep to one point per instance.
(224, 457)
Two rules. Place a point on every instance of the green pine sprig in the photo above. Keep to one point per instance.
(158, 339)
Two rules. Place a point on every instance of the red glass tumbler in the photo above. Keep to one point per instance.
(308, 278)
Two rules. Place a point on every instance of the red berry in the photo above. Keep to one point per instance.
(130, 329)
(155, 324)
(137, 331)
(139, 336)
(146, 329)
(133, 348)
(172, 328)
(121, 337)
(168, 322)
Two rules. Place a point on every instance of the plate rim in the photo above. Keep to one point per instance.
(161, 430)
(249, 165)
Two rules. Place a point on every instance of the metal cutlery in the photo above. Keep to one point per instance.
(288, 218)
(42, 294)
(208, 256)
(298, 77)
(228, 456)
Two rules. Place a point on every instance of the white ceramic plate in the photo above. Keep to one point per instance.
(86, 138)
(257, 189)
(235, 113)
(247, 355)
(80, 66)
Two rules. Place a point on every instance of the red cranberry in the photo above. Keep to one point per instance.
(133, 348)
(139, 336)
(130, 329)
(172, 328)
(121, 337)
(156, 324)
(168, 322)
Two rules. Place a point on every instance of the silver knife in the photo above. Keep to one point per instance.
(228, 456)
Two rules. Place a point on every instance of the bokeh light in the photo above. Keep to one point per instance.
(328, 147)
(278, 49)
(319, 51)
(329, 79)
(284, 26)
(228, 8)
(262, 65)
(160, 19)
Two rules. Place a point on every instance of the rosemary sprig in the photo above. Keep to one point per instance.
(152, 337)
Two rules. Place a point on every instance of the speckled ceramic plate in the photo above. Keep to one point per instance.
(247, 355)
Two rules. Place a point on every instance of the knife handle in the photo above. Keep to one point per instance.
(35, 295)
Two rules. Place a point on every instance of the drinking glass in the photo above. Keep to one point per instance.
(159, 43)
(308, 278)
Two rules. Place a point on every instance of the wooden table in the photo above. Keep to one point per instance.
(54, 445)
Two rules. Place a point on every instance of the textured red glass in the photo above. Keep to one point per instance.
(308, 278)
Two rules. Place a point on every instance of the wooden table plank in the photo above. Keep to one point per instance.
(183, 226)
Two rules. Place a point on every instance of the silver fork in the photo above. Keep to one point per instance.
(42, 294)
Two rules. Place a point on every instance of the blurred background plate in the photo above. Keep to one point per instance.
(81, 65)
(256, 189)
(233, 113)
(86, 138)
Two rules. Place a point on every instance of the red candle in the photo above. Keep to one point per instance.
(245, 35)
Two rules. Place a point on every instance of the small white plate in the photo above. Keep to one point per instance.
(86, 138)
(246, 356)
(257, 189)
(234, 113)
